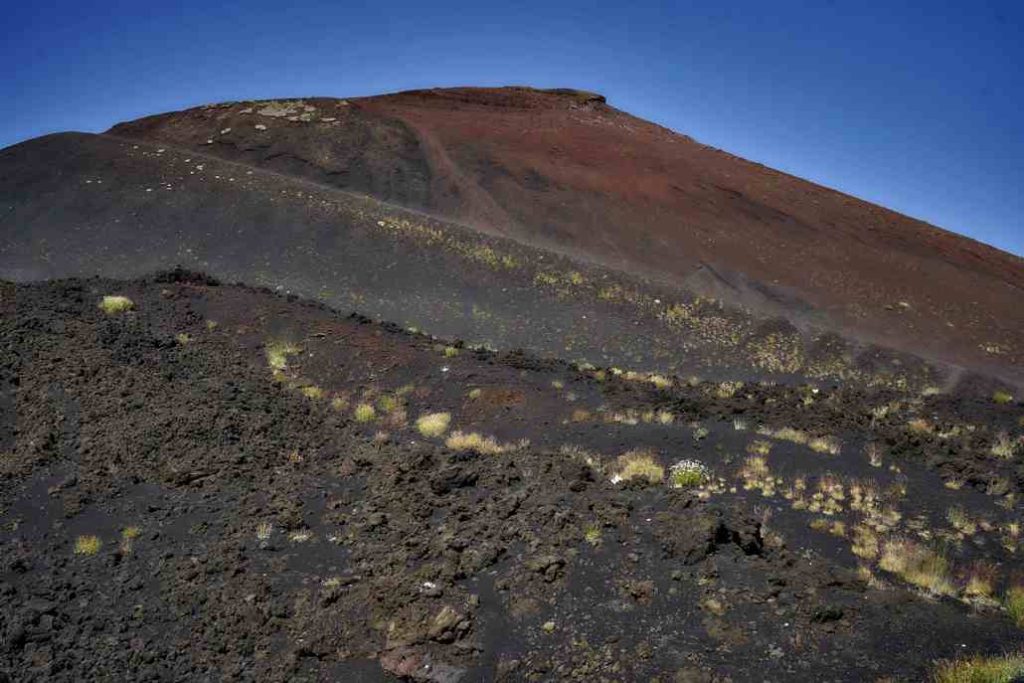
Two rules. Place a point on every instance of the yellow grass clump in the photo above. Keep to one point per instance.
(433, 425)
(277, 354)
(364, 412)
(917, 565)
(824, 444)
(638, 464)
(472, 441)
(115, 303)
(312, 391)
(88, 545)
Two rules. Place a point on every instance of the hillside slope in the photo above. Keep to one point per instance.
(98, 205)
(216, 482)
(565, 171)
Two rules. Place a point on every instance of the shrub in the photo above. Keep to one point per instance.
(433, 425)
(917, 565)
(638, 465)
(114, 304)
(687, 474)
(1002, 397)
(1005, 669)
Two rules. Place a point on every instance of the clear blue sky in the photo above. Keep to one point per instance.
(918, 106)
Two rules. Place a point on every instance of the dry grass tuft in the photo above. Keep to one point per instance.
(961, 521)
(433, 425)
(865, 542)
(277, 354)
(312, 391)
(638, 464)
(115, 303)
(128, 536)
(472, 441)
(917, 565)
(88, 545)
(1005, 669)
(364, 412)
(824, 444)
(981, 580)
(1015, 604)
(1003, 447)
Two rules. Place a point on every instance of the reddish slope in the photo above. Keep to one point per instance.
(566, 171)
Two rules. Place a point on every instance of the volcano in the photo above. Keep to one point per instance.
(492, 384)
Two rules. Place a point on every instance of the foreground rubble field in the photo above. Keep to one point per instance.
(207, 482)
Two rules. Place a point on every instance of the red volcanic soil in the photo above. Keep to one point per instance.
(565, 171)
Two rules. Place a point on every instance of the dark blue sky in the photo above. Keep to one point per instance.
(918, 106)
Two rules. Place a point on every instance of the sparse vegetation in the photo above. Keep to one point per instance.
(824, 444)
(981, 580)
(961, 521)
(1003, 447)
(865, 542)
(112, 304)
(264, 530)
(277, 353)
(312, 392)
(300, 536)
(688, 474)
(759, 447)
(88, 545)
(1015, 604)
(638, 464)
(1005, 669)
(128, 536)
(1002, 397)
(757, 476)
(364, 412)
(433, 425)
(917, 565)
(472, 441)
